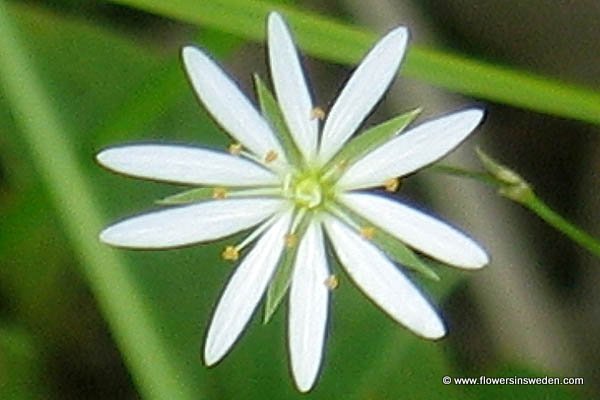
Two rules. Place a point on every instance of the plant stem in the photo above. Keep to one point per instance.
(512, 186)
(554, 219)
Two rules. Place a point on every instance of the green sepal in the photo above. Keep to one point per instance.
(394, 248)
(512, 185)
(272, 112)
(374, 137)
(280, 282)
(188, 196)
(403, 255)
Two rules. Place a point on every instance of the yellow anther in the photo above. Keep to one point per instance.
(271, 156)
(231, 253)
(336, 170)
(219, 193)
(392, 184)
(367, 232)
(342, 165)
(317, 113)
(235, 149)
(332, 282)
(291, 240)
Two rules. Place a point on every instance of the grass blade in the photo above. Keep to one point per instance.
(73, 196)
(343, 43)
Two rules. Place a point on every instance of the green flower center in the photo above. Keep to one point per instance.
(307, 192)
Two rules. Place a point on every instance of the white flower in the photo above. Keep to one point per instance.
(295, 192)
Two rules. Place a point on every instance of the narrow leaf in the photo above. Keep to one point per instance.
(153, 364)
(335, 41)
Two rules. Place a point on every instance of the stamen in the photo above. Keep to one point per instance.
(255, 233)
(262, 192)
(297, 219)
(271, 156)
(219, 193)
(392, 184)
(231, 253)
(250, 156)
(367, 232)
(317, 113)
(287, 185)
(235, 149)
(291, 240)
(338, 212)
(342, 164)
(332, 282)
(335, 170)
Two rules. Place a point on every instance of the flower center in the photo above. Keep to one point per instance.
(308, 192)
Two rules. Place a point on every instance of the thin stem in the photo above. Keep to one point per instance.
(512, 186)
(554, 219)
(119, 298)
(461, 172)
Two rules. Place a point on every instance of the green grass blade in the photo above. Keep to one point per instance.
(74, 198)
(338, 42)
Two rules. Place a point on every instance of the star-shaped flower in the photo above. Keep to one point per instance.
(297, 186)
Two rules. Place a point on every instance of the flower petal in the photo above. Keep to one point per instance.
(308, 308)
(187, 165)
(244, 290)
(187, 225)
(363, 91)
(290, 86)
(228, 105)
(383, 282)
(415, 149)
(418, 230)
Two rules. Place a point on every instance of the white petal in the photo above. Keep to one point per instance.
(412, 150)
(228, 105)
(244, 290)
(186, 225)
(187, 165)
(308, 308)
(383, 282)
(290, 87)
(418, 230)
(363, 91)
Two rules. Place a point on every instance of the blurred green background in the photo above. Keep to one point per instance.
(112, 74)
